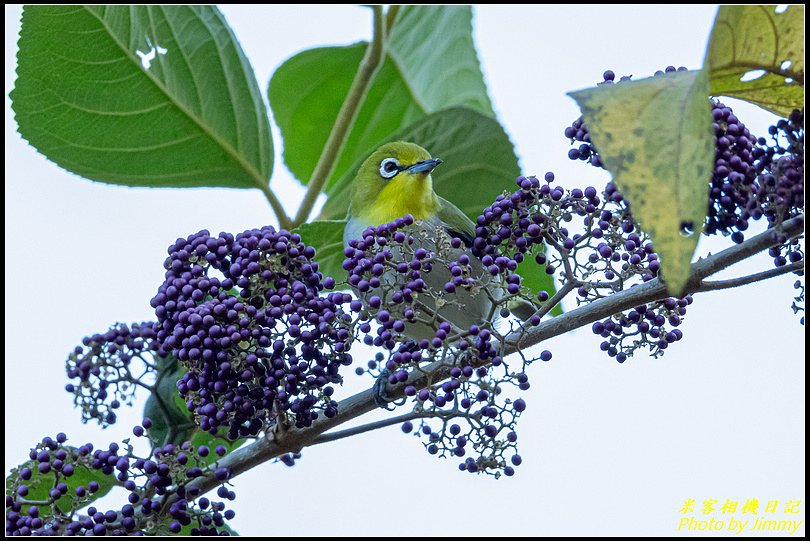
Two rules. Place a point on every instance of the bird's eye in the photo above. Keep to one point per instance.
(389, 168)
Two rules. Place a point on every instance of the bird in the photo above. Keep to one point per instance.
(396, 180)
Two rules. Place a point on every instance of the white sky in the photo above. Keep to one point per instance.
(608, 448)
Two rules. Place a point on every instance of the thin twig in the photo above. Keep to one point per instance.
(715, 285)
(332, 436)
(348, 112)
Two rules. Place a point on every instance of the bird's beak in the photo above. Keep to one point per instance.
(424, 166)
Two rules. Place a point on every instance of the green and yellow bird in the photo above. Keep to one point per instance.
(396, 180)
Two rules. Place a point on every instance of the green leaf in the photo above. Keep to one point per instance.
(158, 96)
(171, 420)
(479, 161)
(431, 63)
(748, 38)
(40, 484)
(434, 43)
(655, 138)
(326, 236)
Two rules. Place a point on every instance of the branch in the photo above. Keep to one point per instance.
(245, 458)
(348, 112)
(758, 277)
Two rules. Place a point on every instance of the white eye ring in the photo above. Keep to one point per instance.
(389, 168)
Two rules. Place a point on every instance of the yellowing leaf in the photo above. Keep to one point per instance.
(756, 54)
(654, 136)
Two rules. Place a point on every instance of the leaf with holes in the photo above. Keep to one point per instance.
(430, 64)
(655, 138)
(158, 96)
(756, 54)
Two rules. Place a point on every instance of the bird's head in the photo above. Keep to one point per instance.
(395, 180)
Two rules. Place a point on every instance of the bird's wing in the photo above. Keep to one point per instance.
(456, 222)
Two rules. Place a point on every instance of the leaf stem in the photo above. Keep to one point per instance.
(284, 221)
(390, 17)
(345, 119)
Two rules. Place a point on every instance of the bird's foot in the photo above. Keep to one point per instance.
(381, 398)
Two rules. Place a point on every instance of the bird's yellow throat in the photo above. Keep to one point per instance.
(406, 193)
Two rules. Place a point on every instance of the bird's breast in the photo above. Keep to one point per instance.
(463, 308)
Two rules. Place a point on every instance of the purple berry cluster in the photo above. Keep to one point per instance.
(733, 190)
(585, 238)
(577, 132)
(161, 497)
(247, 317)
(654, 325)
(107, 368)
(537, 215)
(614, 252)
(592, 244)
(478, 425)
(782, 183)
(755, 178)
(782, 194)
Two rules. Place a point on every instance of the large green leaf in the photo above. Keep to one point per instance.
(759, 40)
(655, 138)
(326, 236)
(479, 161)
(141, 95)
(434, 44)
(431, 63)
